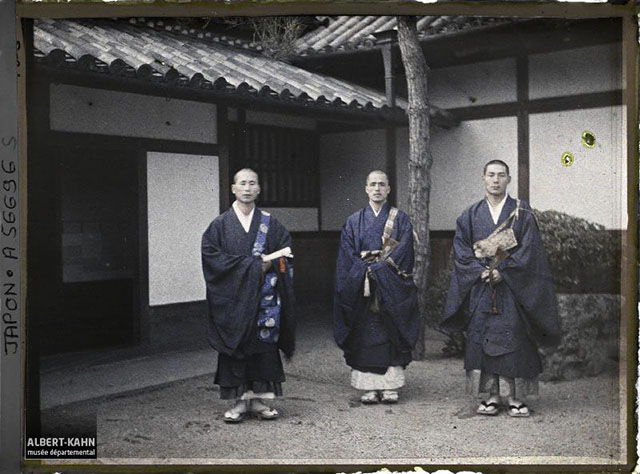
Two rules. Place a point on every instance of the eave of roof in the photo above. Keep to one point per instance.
(352, 33)
(157, 54)
(124, 49)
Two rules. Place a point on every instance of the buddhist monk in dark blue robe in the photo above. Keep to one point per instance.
(376, 318)
(506, 311)
(241, 287)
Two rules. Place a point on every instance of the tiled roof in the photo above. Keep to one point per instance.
(188, 26)
(344, 33)
(155, 54)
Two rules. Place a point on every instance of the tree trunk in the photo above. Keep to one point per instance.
(420, 161)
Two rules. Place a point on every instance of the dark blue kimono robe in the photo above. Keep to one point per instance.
(233, 278)
(374, 340)
(502, 344)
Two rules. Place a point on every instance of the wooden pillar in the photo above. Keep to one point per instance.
(142, 327)
(223, 156)
(522, 81)
(388, 40)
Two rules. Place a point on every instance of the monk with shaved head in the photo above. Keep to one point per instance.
(375, 305)
(246, 258)
(501, 295)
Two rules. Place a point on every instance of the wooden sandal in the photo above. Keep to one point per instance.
(389, 397)
(370, 398)
(514, 411)
(263, 412)
(488, 409)
(233, 416)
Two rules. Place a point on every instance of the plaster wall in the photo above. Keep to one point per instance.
(490, 82)
(459, 156)
(183, 198)
(595, 186)
(576, 71)
(105, 112)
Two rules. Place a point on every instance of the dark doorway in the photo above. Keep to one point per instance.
(83, 247)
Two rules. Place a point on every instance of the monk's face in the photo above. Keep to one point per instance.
(246, 187)
(496, 180)
(377, 187)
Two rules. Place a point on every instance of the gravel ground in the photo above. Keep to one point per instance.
(321, 419)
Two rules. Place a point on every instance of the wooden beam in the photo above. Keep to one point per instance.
(548, 104)
(97, 9)
(443, 118)
(573, 102)
(87, 78)
(62, 139)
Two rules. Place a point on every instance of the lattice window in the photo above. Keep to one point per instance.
(286, 160)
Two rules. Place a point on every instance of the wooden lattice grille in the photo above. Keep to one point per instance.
(285, 159)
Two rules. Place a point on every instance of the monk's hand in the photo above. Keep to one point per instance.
(484, 276)
(496, 277)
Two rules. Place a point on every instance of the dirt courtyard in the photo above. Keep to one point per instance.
(323, 422)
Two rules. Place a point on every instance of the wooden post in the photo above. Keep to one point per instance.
(387, 40)
(142, 327)
(522, 74)
(224, 160)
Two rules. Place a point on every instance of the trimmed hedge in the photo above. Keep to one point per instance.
(584, 257)
(590, 341)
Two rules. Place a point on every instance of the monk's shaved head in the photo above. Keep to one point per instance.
(496, 162)
(244, 170)
(377, 172)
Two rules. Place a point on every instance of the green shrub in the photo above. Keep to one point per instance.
(584, 257)
(591, 330)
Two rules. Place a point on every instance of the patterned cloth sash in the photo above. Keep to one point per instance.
(495, 247)
(269, 307)
(388, 226)
(387, 248)
(500, 240)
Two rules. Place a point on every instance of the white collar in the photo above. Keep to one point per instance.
(378, 212)
(245, 219)
(497, 210)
